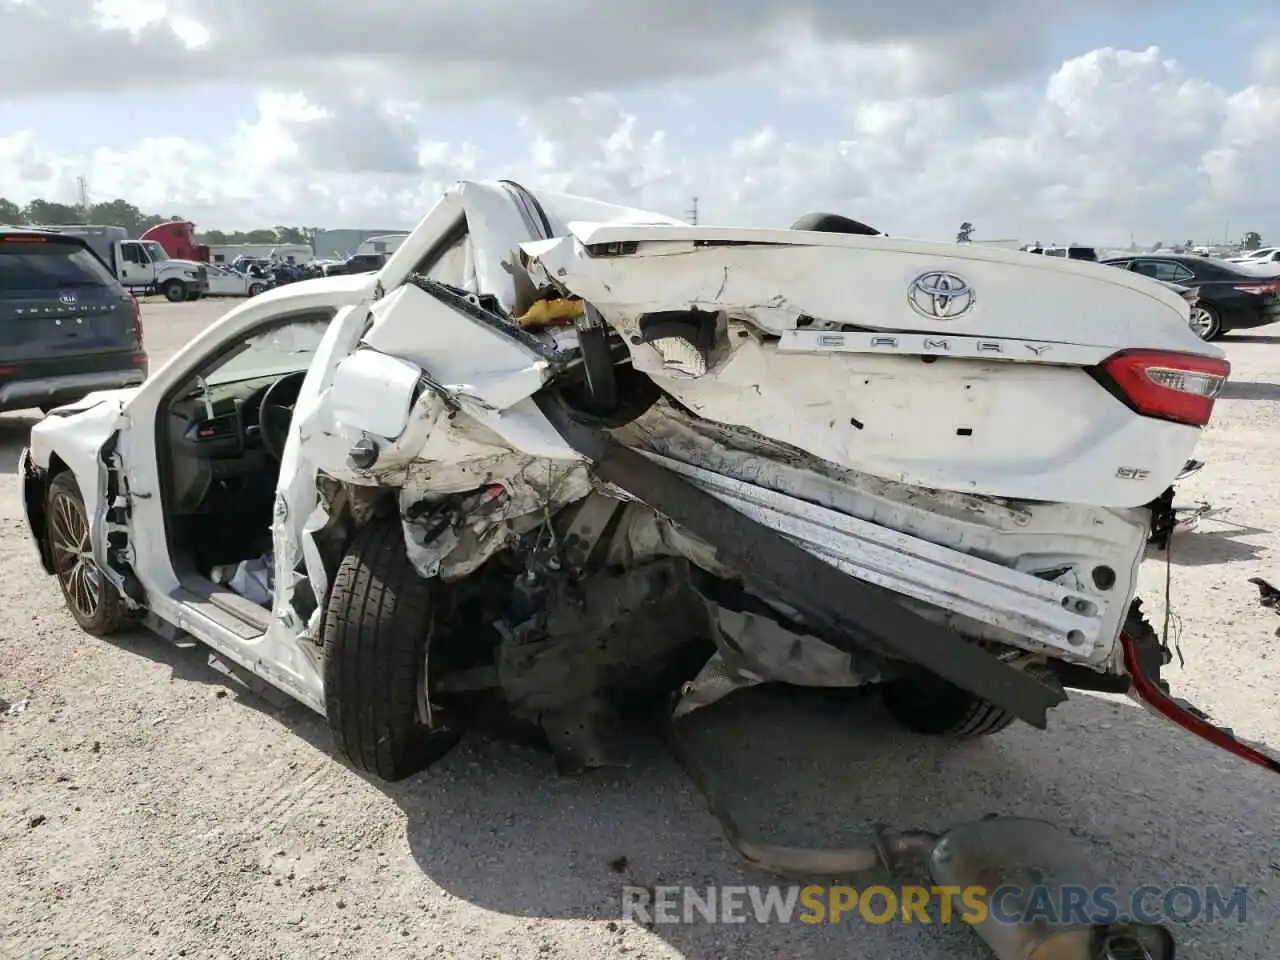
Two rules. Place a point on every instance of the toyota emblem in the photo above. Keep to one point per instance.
(939, 295)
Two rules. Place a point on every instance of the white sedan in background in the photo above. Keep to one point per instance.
(225, 282)
(1263, 255)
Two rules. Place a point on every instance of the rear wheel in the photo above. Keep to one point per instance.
(925, 703)
(92, 600)
(1205, 322)
(377, 625)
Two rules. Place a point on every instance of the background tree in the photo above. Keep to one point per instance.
(966, 232)
(121, 213)
(47, 212)
(118, 213)
(1252, 240)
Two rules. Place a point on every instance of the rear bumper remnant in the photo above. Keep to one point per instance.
(851, 614)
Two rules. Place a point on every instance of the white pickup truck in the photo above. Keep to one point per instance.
(142, 265)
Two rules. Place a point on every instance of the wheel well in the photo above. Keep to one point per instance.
(35, 491)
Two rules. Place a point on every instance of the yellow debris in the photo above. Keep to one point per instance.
(550, 313)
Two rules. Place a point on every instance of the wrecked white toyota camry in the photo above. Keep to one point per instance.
(565, 458)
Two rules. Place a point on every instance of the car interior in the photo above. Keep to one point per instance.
(220, 439)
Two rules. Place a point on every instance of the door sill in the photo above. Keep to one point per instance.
(224, 607)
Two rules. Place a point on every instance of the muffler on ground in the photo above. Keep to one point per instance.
(1037, 890)
(1039, 894)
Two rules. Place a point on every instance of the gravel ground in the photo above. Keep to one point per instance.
(149, 809)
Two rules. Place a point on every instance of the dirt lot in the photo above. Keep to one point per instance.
(150, 809)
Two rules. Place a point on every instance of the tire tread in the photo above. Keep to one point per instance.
(376, 624)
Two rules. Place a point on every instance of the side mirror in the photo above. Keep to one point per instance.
(374, 393)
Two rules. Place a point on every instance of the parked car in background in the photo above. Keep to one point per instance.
(252, 266)
(1265, 258)
(225, 282)
(359, 263)
(1072, 252)
(68, 326)
(1262, 253)
(1231, 296)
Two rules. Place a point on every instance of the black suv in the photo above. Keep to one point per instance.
(67, 326)
(360, 263)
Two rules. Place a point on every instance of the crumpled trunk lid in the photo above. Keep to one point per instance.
(945, 366)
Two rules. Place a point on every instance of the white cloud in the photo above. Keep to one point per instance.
(918, 138)
(1266, 61)
(515, 48)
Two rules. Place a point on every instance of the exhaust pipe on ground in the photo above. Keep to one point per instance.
(1015, 862)
(1018, 859)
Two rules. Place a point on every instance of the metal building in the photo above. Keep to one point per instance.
(339, 244)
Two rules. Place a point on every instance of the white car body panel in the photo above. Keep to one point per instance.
(905, 502)
(855, 398)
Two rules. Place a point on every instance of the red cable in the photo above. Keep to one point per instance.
(1163, 704)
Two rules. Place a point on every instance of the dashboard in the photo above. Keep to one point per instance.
(217, 457)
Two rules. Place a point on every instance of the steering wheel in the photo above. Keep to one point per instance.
(275, 413)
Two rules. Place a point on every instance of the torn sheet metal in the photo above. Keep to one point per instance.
(752, 649)
(470, 358)
(452, 539)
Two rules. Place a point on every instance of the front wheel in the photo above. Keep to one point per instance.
(175, 291)
(91, 598)
(256, 288)
(377, 625)
(1205, 322)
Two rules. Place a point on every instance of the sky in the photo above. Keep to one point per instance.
(1062, 121)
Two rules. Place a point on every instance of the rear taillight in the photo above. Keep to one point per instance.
(1180, 387)
(1260, 289)
(136, 307)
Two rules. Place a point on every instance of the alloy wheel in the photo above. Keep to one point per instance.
(73, 555)
(1203, 322)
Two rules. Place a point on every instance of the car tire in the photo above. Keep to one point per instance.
(925, 703)
(175, 291)
(376, 628)
(256, 288)
(1209, 325)
(91, 599)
